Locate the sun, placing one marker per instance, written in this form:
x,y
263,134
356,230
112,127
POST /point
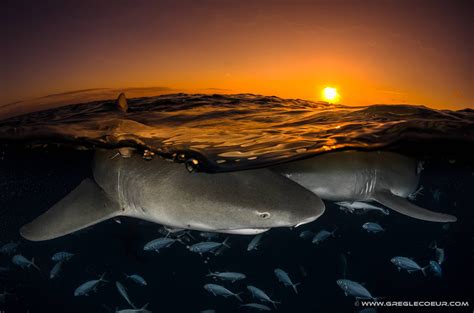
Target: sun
x,y
330,94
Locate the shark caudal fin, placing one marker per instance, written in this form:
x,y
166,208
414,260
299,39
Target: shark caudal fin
x,y
84,206
403,206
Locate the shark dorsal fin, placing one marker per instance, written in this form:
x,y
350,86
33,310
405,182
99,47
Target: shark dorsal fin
x,y
121,103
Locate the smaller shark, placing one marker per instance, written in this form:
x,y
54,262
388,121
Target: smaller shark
x,y
356,176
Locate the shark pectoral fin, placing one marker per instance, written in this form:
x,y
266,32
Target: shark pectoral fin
x,y
403,206
84,206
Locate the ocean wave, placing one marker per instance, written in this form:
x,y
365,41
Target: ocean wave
x,y
231,132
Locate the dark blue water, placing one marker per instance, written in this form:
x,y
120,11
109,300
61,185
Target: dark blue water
x,y
33,179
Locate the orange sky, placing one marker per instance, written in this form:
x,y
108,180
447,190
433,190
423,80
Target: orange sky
x,y
416,52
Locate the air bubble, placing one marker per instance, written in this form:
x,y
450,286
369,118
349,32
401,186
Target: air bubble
x,y
191,164
148,155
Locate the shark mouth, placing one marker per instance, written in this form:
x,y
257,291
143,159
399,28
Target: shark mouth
x,y
306,221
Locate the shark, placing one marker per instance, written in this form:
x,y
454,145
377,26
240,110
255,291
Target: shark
x,y
385,177
242,202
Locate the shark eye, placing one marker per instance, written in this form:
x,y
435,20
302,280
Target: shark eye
x,y
263,215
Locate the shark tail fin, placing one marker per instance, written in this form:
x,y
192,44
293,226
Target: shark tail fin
x,y
84,206
405,207
144,307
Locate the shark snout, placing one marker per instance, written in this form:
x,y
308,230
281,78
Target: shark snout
x,y
307,220
310,213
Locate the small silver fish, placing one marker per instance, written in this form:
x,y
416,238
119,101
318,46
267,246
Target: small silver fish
x,y
436,268
255,242
160,243
207,246
218,290
55,270
23,262
407,264
62,256
322,236
258,306
372,227
88,286
307,234
261,295
137,279
9,248
284,278
352,288
209,236
230,276
123,292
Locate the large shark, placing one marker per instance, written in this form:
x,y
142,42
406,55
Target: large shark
x,y
245,202
385,177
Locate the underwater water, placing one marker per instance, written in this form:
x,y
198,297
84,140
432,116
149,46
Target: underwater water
x,y
45,155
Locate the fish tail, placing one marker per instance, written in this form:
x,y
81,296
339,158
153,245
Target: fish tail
x,y
294,287
102,278
423,269
180,241
34,265
224,243
187,233
275,303
237,295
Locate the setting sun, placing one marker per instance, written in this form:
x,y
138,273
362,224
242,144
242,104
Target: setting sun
x,y
330,94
